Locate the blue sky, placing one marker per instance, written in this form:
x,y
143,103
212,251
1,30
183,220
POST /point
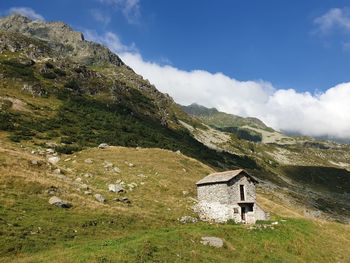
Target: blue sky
x,y
285,62
248,40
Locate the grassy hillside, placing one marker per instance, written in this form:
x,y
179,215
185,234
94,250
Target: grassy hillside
x,y
230,123
147,229
85,106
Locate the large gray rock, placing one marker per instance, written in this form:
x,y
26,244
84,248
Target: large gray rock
x,y
103,146
212,241
59,202
53,159
100,198
116,188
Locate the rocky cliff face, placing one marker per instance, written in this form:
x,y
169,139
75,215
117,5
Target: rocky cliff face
x,y
62,39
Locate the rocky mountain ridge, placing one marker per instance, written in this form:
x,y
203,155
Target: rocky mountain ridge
x,y
61,38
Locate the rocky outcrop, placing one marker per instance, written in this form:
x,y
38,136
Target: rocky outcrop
x,y
61,38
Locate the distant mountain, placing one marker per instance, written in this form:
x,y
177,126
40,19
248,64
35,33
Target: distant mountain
x,y
244,128
212,116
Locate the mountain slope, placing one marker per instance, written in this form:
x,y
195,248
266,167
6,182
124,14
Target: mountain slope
x,y
77,94
251,129
147,228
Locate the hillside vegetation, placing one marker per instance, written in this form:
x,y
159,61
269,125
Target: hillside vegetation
x,y
147,229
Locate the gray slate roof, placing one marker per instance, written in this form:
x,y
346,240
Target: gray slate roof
x,y
223,177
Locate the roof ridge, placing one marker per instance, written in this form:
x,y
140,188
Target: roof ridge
x,y
221,177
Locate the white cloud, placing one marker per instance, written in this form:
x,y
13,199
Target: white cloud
x,y
322,114
101,17
26,11
130,8
335,18
111,40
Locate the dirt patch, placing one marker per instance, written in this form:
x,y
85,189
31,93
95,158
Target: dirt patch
x,y
14,104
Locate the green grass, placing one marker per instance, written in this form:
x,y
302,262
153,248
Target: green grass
x,y
145,231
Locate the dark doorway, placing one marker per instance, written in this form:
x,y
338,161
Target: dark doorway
x,y
243,211
241,190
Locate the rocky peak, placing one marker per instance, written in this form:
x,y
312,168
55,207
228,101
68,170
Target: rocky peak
x,y
62,38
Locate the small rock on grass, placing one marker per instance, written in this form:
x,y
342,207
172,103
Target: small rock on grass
x,y
100,198
103,146
212,241
53,160
59,203
116,188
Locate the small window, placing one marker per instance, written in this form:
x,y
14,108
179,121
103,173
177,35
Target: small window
x,y
235,210
241,190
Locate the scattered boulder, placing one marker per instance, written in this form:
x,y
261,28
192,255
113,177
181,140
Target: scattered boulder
x,y
52,190
178,152
212,241
84,187
57,171
87,175
103,146
50,151
107,165
88,192
59,203
132,186
122,200
100,198
129,164
36,163
188,219
53,160
185,192
116,188
89,161
116,170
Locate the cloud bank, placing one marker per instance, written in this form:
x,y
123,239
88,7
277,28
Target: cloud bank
x,y
100,16
26,11
321,114
334,18
129,8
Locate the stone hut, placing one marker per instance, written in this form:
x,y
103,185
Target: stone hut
x,y
229,195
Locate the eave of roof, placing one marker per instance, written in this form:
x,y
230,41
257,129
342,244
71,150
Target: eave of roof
x,y
223,177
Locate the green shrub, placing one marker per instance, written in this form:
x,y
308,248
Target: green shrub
x,y
14,69
49,75
67,149
59,72
6,121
